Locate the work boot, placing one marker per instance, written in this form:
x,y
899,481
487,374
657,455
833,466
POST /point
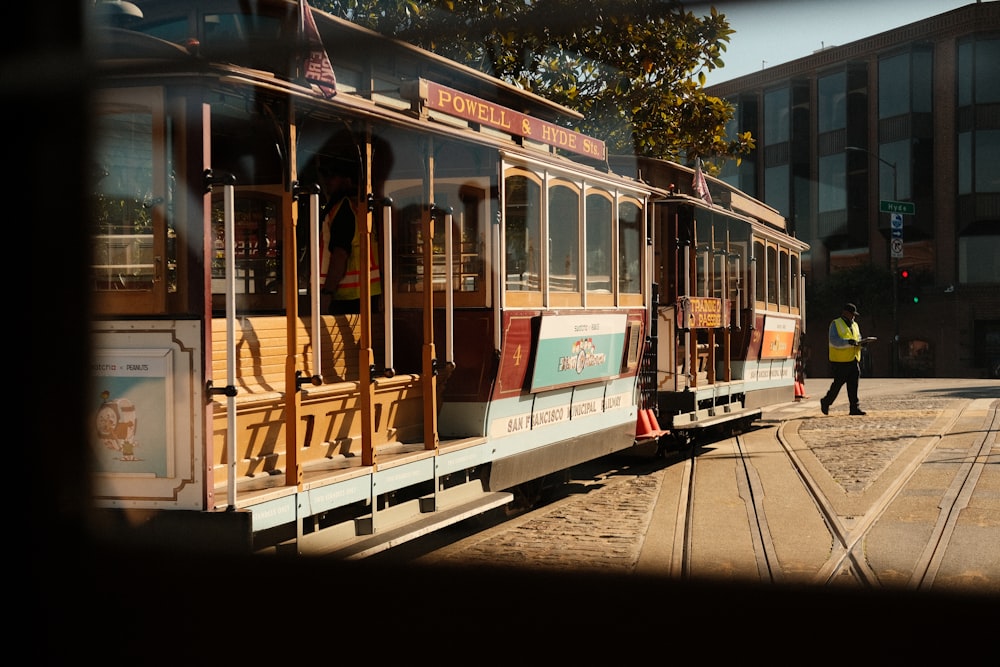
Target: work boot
x,y
824,406
858,412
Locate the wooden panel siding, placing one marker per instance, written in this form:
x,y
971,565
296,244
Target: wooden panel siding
x,y
261,349
329,420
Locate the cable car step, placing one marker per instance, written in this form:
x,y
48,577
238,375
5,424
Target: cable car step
x,y
392,537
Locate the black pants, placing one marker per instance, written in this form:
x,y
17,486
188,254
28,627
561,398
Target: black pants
x,y
844,373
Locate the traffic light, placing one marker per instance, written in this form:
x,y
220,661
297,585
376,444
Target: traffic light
x,y
907,288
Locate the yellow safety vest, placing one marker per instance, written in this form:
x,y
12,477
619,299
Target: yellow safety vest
x,y
350,284
847,352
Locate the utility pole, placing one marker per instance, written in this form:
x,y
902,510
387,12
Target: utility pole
x,y
894,347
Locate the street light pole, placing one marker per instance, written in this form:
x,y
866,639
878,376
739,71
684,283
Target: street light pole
x,y
894,360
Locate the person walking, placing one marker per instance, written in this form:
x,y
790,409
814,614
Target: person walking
x,y
845,358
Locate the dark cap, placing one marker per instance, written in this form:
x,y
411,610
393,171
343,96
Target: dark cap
x,y
851,308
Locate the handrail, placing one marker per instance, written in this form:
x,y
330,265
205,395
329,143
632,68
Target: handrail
x,y
229,227
315,308
386,270
449,287
228,183
314,286
687,249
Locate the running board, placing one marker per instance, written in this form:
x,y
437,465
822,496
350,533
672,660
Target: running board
x,y
705,418
393,537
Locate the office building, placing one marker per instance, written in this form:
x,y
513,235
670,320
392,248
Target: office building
x,y
884,155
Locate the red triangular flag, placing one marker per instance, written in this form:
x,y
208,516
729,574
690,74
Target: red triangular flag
x,y
316,65
700,185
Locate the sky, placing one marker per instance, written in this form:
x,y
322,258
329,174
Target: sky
x,y
772,32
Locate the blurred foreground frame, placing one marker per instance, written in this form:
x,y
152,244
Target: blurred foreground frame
x,y
95,601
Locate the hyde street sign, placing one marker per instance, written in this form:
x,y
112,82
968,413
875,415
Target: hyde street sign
x,y
904,207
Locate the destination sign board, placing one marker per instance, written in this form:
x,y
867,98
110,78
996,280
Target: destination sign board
x,y
474,109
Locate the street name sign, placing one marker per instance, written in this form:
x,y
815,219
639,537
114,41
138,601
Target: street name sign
x,y
904,207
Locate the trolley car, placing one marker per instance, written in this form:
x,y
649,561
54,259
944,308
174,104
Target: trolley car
x,y
729,304
508,324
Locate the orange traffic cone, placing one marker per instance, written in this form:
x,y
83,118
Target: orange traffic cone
x,y
644,428
654,424
648,426
800,391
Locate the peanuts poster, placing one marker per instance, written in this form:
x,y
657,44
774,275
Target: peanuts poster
x,y
131,413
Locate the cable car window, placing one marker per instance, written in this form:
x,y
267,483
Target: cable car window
x,y
630,244
794,280
772,275
784,278
132,266
564,239
760,271
739,239
598,241
522,235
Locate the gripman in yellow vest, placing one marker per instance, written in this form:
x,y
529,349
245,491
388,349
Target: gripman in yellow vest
x,y
845,359
340,243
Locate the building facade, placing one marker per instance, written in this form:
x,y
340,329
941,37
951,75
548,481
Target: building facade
x,y
884,156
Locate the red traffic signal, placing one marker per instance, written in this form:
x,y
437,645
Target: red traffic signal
x,y
908,292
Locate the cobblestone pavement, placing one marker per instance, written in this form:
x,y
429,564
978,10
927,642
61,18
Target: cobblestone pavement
x,y
605,527
602,529
856,450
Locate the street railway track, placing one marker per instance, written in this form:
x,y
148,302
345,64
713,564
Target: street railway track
x,y
732,498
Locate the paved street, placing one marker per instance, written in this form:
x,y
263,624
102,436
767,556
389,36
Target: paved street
x,y
627,522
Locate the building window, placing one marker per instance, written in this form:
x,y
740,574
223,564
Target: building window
x,y
894,86
923,81
776,180
987,166
894,186
978,176
978,72
977,259
965,163
831,108
978,139
978,168
730,172
833,182
777,110
905,84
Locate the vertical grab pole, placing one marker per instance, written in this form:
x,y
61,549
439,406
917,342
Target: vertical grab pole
x,y
726,331
739,292
300,190
229,232
802,300
366,366
429,361
387,284
498,262
228,183
687,249
449,289
314,286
